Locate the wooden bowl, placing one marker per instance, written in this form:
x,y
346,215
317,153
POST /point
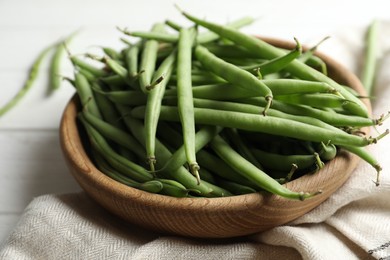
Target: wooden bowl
x,y
206,217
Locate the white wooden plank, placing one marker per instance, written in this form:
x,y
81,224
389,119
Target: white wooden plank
x,y
31,165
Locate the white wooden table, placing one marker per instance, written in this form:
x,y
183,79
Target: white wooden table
x,y
31,162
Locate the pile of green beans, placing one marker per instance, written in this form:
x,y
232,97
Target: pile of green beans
x,y
217,113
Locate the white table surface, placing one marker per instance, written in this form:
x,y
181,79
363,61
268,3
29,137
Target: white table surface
x,y
31,162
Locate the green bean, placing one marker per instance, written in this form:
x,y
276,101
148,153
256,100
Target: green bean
x,y
364,154
235,188
281,162
206,78
181,175
314,61
332,118
327,152
148,60
33,74
202,138
233,74
156,36
269,124
153,106
313,100
207,176
112,53
277,64
237,162
371,56
252,109
241,147
205,158
119,70
173,188
201,38
264,50
229,51
153,186
131,59
210,36
97,72
85,93
114,81
173,25
55,64
115,134
120,163
184,97
88,75
124,97
226,91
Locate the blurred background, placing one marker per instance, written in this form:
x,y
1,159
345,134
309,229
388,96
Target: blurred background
x,y
31,162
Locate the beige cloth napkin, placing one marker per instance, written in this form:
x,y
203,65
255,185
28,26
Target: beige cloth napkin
x,y
354,223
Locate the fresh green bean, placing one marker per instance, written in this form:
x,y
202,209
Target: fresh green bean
x,y
181,175
277,64
202,138
131,59
184,97
318,100
364,154
118,162
242,147
235,188
80,63
115,134
115,81
153,186
314,61
233,74
153,106
173,25
173,188
148,59
371,56
33,74
237,162
119,70
55,64
201,38
226,91
84,91
124,97
269,124
282,162
112,53
327,152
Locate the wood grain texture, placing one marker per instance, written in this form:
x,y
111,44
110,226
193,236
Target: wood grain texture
x,y
205,217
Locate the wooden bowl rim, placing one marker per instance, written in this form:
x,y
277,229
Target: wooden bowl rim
x,y
75,153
